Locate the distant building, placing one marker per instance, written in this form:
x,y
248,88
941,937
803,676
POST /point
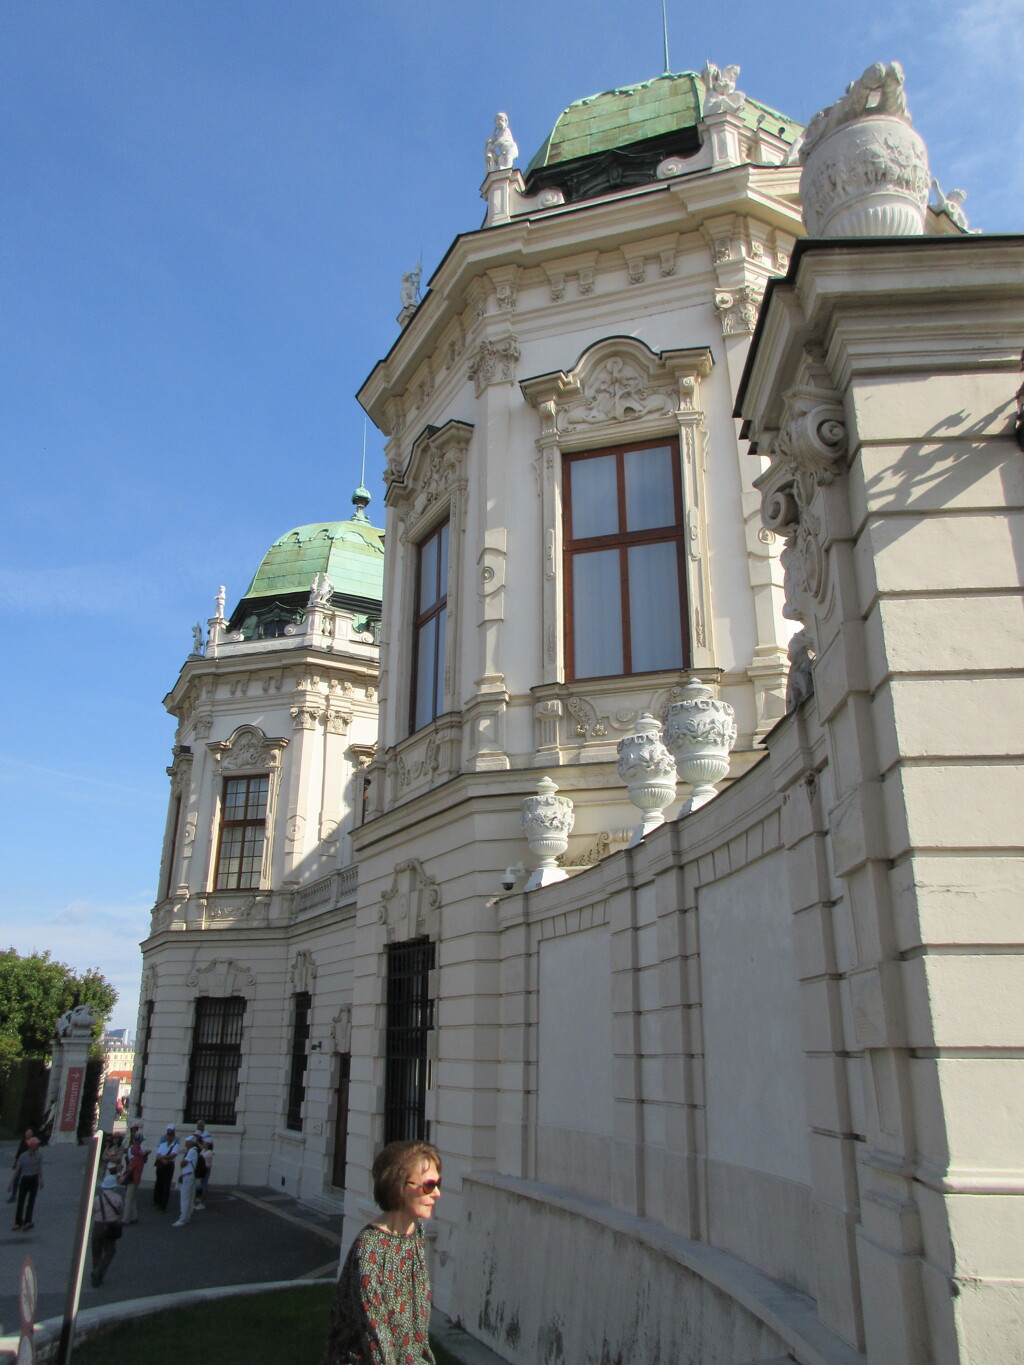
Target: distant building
x,y
244,1014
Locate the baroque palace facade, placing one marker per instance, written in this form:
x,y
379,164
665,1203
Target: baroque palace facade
x,y
707,441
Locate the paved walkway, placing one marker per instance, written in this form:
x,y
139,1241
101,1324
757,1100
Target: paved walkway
x,y
244,1236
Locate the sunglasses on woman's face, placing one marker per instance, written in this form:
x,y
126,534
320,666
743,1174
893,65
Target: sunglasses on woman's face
x,y
427,1186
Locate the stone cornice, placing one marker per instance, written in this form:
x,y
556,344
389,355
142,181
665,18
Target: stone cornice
x,y
610,225
876,304
202,673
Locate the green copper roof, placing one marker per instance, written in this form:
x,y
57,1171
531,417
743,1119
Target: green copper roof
x,y
350,553
616,118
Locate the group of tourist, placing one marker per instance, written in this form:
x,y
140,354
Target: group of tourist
x,y
116,1200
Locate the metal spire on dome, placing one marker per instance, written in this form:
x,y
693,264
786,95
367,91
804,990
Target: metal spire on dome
x,y
361,497
664,26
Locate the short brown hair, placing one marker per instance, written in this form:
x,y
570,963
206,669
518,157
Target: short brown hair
x,y
392,1167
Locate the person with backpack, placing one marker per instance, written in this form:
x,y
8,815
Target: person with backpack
x,y
204,1164
107,1215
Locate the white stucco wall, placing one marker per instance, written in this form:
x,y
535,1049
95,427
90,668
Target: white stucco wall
x,y
575,1034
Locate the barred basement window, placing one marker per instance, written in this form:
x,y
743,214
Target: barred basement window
x,y
409,1019
216,1057
242,831
302,1002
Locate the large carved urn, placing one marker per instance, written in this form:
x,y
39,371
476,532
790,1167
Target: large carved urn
x,y
547,822
649,772
700,730
868,178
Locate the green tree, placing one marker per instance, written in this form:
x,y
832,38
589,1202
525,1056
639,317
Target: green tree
x,y
34,992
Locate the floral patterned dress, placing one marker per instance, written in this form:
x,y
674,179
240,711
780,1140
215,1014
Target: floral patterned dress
x,y
381,1309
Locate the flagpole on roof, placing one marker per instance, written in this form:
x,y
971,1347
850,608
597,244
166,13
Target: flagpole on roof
x,y
664,26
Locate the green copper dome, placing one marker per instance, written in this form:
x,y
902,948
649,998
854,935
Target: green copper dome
x,y
616,118
616,140
350,553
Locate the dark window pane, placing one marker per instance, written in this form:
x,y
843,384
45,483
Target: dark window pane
x,y
597,614
654,620
216,1057
650,490
595,499
409,1017
425,672
442,622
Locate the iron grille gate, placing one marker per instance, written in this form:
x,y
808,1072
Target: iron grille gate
x,y
409,1018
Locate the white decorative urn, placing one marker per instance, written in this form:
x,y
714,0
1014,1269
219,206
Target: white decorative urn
x,y
869,178
700,730
649,772
547,821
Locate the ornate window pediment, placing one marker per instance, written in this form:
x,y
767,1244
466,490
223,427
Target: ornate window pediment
x,y
248,747
619,383
434,472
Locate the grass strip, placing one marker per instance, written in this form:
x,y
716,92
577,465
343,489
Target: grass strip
x,y
253,1329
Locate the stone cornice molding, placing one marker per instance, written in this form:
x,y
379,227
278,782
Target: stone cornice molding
x,y
618,385
590,228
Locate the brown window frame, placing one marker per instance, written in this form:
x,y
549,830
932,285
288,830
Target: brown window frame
x,y
247,822
438,608
622,541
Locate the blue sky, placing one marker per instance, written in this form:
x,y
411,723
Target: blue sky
x,y
207,211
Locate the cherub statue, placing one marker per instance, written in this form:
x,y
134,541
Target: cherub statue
x,y
500,150
411,287
951,205
721,94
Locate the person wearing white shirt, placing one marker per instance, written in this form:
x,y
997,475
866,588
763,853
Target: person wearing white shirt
x,y
187,1182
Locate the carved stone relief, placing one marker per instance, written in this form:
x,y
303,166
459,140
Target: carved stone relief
x,y
494,363
411,905
303,971
222,976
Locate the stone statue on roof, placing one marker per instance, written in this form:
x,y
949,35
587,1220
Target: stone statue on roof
x,y
500,150
411,287
951,205
197,639
321,591
720,93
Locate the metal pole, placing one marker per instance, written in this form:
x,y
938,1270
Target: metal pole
x,y
77,1268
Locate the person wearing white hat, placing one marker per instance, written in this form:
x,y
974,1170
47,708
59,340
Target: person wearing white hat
x,y
187,1182
166,1155
107,1213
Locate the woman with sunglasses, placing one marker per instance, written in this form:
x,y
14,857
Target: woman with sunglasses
x,y
381,1309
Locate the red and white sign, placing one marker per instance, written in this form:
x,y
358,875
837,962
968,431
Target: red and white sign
x,y
72,1099
28,1296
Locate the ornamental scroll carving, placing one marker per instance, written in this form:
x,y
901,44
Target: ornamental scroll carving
x,y
434,472
808,455
617,382
248,747
411,907
222,976
494,363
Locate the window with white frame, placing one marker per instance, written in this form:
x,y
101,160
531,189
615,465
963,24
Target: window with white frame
x,y
623,545
429,624
242,833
